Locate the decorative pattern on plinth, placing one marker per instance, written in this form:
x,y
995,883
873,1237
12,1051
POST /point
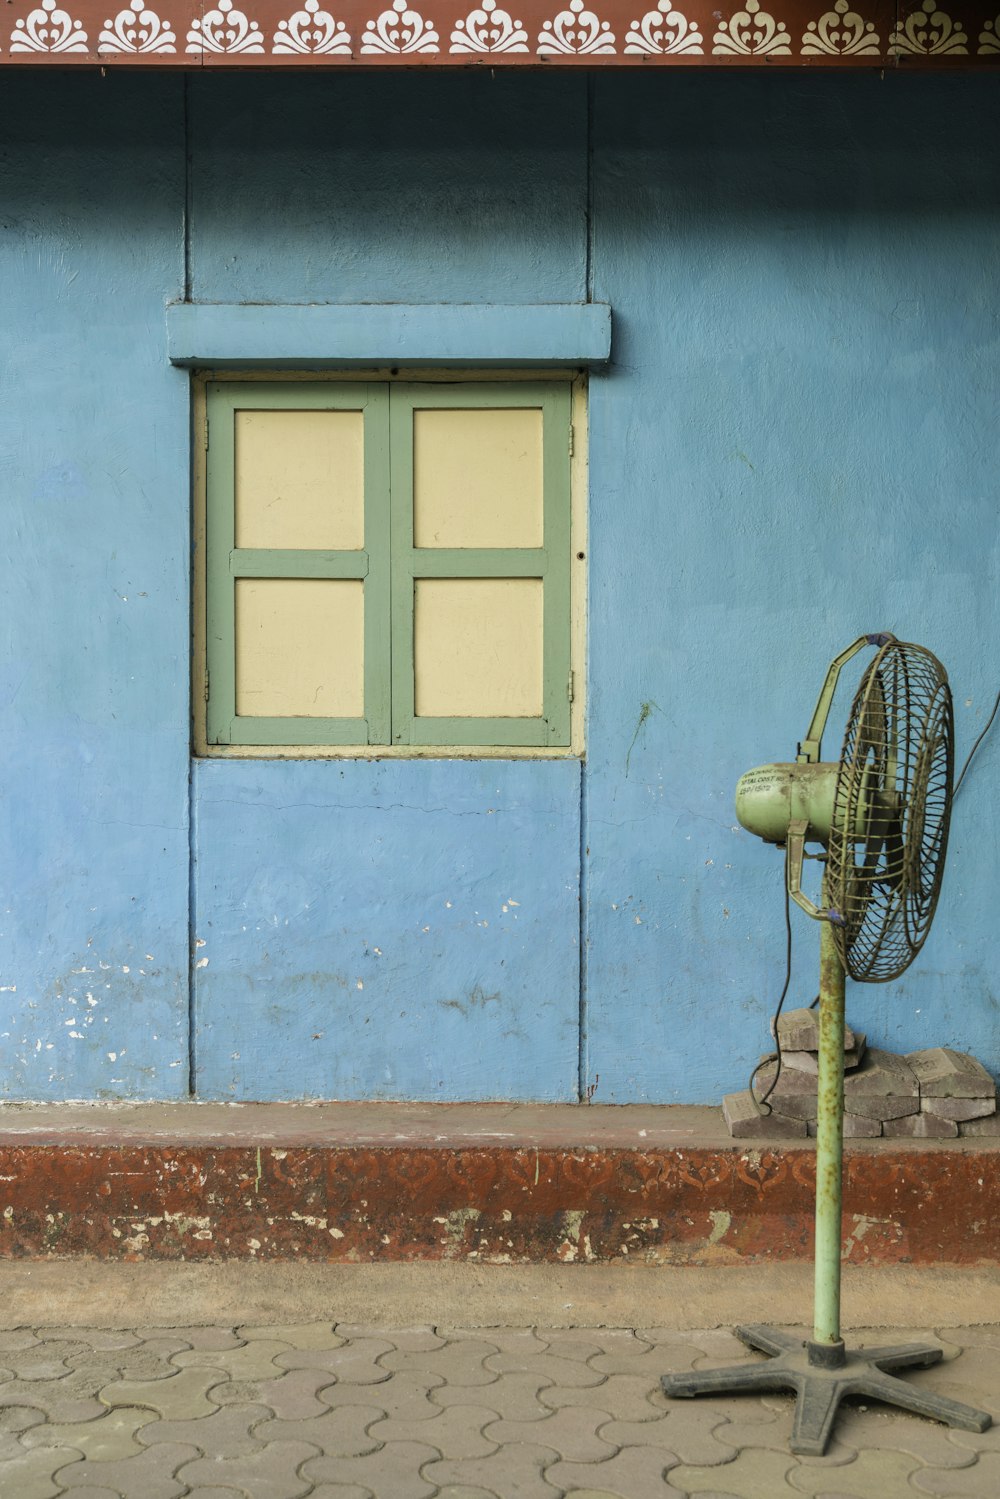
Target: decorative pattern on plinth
x,y
327,1198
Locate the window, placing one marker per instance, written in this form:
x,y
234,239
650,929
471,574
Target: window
x,y
388,564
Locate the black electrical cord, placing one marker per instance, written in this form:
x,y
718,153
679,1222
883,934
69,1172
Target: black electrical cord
x,y
982,736
775,1056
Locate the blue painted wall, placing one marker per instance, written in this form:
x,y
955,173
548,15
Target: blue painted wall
x,y
802,427
797,440
387,929
94,624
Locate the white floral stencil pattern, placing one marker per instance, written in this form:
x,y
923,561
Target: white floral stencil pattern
x,y
311,31
833,33
928,32
225,30
48,29
989,37
400,30
137,29
752,33
663,30
576,31
841,32
489,30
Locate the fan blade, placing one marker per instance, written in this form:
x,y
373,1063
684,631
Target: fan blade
x,y
894,850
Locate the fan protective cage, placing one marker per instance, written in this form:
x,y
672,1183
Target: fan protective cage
x,y
892,808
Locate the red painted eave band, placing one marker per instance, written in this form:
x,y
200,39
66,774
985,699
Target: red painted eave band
x,y
321,34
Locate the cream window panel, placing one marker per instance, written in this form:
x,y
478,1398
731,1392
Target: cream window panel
x,y
300,479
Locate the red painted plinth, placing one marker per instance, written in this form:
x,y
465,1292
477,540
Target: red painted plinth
x,y
488,1183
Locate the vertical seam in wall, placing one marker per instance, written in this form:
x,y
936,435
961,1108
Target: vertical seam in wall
x,y
187,188
192,949
583,1043
192,922
192,1079
589,211
583,1079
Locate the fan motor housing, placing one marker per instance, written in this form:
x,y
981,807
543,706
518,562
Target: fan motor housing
x,y
769,797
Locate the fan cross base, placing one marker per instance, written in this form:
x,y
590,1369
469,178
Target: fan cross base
x,y
821,1375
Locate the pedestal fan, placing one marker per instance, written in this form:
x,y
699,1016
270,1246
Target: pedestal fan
x,y
881,815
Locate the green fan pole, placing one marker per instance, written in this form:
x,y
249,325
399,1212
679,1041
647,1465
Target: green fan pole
x,y
821,1371
829,1146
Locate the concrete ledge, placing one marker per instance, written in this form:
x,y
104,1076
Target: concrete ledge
x,y
483,1184
36,1294
326,336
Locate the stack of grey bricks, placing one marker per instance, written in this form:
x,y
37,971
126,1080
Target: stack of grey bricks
x,y
937,1094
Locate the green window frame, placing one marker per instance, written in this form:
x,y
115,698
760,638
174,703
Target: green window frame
x,y
389,564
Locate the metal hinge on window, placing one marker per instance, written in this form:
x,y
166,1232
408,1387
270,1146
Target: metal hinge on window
x,y
205,685
572,439
571,686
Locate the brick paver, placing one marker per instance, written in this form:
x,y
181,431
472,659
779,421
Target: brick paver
x,y
341,1411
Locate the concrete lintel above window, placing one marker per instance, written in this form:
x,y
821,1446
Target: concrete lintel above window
x,y
230,336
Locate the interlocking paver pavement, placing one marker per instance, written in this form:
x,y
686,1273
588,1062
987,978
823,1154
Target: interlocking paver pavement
x,y
623,1397
572,1432
32,1476
342,1432
692,1436
229,1431
294,1395
270,1473
151,1475
343,1411
356,1362
982,1480
514,1396
755,1473
250,1361
107,1438
180,1397
632,1471
301,1335
872,1475
458,1432
394,1469
515,1471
